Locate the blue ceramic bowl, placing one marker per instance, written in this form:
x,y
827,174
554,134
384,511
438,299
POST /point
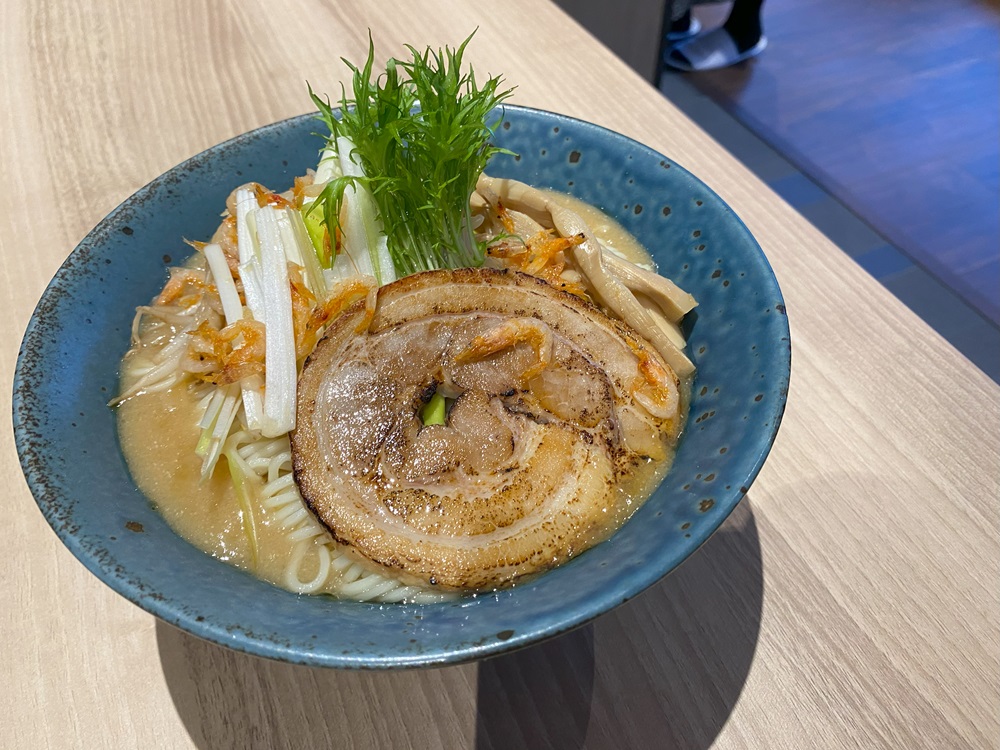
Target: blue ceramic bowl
x,y
68,369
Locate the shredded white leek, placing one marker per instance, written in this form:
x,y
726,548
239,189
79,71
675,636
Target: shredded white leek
x,y
365,243
299,249
232,308
327,169
279,359
247,486
246,205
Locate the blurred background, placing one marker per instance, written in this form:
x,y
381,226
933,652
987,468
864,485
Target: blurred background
x,y
879,122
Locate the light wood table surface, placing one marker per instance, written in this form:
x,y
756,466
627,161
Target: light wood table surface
x,y
851,601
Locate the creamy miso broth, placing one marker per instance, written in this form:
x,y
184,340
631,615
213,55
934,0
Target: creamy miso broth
x,y
157,432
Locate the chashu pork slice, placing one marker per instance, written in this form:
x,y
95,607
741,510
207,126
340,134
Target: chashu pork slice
x,y
551,406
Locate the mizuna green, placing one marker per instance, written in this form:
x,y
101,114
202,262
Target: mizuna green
x,y
421,136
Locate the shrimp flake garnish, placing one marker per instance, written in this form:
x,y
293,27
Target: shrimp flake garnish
x,y
506,336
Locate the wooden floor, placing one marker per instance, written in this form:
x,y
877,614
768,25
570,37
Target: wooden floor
x,y
893,108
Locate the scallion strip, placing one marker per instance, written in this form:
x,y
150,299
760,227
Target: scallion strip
x,y
279,358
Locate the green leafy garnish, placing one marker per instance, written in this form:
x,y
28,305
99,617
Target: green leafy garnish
x,y
421,135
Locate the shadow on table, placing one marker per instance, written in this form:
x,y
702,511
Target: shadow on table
x,y
664,670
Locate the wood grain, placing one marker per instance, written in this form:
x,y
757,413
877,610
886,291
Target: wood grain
x,y
850,601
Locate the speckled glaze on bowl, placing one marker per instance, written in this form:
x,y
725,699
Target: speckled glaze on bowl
x,y
68,369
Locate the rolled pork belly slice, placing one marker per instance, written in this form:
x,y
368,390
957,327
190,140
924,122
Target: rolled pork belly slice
x,y
552,405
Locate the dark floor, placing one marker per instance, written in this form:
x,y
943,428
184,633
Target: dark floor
x,y
879,123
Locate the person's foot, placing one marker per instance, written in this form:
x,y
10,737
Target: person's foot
x,y
683,28
716,49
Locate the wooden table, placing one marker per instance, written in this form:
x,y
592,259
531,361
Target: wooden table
x,y
850,601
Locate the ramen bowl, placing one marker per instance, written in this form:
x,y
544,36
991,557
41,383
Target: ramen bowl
x,y
67,372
